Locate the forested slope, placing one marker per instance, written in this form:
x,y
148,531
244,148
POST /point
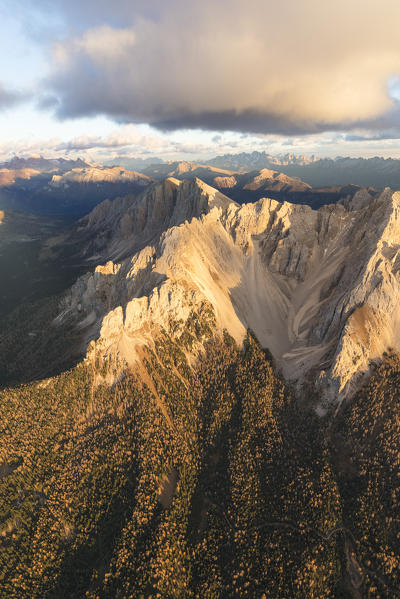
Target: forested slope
x,y
205,482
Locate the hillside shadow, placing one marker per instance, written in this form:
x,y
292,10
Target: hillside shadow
x,y
46,337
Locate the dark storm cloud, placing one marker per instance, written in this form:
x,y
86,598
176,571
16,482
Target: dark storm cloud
x,y
292,68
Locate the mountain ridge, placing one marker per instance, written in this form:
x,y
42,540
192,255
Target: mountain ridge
x,y
148,452
374,172
283,270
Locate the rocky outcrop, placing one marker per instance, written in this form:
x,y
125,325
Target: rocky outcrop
x,y
116,229
225,182
320,288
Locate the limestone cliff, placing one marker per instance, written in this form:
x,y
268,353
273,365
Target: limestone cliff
x,y
320,288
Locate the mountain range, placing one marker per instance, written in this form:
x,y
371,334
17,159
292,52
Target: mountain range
x,y
72,188
63,187
320,172
254,184
200,398
319,288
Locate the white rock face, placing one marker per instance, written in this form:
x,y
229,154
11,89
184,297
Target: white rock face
x,y
128,224
320,289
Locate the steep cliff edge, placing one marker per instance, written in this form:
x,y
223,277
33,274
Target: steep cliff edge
x,y
319,288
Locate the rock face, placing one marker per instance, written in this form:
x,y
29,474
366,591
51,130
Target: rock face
x,y
225,182
120,228
320,288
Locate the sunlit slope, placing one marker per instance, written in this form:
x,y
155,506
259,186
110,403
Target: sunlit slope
x,y
318,288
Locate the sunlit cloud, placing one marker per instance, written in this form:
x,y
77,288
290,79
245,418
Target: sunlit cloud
x,y
316,67
301,76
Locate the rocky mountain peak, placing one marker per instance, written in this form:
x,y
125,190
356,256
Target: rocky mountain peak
x,y
319,288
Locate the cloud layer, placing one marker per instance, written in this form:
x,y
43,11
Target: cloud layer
x,y
299,66
127,141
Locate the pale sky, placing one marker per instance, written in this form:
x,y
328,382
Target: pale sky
x,y
178,79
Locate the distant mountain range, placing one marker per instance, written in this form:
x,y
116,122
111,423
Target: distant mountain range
x,y
74,187
43,165
242,186
63,187
210,404
245,161
374,172
98,175
317,172
136,164
367,172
